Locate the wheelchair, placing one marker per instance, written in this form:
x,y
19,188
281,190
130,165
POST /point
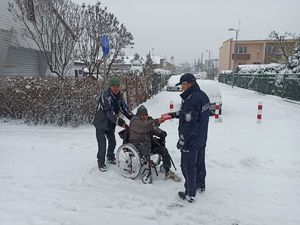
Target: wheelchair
x,y
130,162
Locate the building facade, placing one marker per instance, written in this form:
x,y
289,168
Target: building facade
x,y
241,52
18,56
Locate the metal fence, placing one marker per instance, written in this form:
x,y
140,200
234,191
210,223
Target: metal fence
x,y
283,85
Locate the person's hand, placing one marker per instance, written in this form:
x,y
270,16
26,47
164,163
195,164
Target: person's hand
x,y
160,120
166,116
125,126
172,114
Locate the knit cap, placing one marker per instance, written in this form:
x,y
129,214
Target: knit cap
x,y
142,111
115,81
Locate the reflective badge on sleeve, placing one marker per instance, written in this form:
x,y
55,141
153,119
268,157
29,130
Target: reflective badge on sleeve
x,y
188,117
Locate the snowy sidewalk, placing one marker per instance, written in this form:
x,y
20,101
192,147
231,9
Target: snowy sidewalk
x,y
48,174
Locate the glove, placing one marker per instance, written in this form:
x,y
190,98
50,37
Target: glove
x,y
121,122
163,134
180,144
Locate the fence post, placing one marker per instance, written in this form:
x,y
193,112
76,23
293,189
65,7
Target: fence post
x,y
283,85
267,85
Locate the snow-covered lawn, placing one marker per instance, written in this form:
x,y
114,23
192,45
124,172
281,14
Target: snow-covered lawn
x,y
48,174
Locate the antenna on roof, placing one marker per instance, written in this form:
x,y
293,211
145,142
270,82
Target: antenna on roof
x,y
239,24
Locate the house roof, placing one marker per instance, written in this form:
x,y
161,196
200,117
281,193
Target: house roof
x,y
130,59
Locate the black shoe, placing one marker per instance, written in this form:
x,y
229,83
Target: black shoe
x,y
190,199
102,167
112,160
182,195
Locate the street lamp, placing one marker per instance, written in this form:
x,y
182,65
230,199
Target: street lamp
x,y
235,50
209,69
236,32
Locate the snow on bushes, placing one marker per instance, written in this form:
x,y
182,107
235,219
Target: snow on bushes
x,y
292,67
294,61
65,102
51,100
276,79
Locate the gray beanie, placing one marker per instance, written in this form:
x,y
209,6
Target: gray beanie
x,y
141,111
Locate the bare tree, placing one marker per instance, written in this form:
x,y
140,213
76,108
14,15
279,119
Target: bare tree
x,y
284,44
54,26
88,47
96,23
148,69
120,39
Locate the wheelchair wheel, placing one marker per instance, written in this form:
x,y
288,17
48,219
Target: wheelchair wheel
x,y
128,161
146,179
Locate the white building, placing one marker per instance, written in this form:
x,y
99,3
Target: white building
x,y
17,55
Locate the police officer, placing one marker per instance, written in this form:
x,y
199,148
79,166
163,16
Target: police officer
x,y
193,126
111,105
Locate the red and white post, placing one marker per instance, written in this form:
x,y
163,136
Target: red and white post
x,y
171,107
217,113
259,112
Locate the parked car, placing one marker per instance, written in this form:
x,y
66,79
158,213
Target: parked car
x,y
171,83
208,86
201,75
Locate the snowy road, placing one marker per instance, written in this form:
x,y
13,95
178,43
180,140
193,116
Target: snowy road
x,y
48,174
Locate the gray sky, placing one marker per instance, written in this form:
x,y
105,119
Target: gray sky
x,y
186,28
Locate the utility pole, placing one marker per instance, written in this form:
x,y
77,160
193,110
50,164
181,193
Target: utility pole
x,y
235,48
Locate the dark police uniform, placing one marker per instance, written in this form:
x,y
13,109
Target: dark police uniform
x,y
193,126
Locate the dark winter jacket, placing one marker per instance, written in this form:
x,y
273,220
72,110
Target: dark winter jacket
x,y
141,133
193,118
109,108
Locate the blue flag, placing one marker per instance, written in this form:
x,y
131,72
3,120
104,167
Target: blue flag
x,y
104,43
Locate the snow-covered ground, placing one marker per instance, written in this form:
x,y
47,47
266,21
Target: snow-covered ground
x,y
48,174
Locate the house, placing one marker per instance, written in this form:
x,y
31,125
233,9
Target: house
x,y
123,64
78,69
241,52
19,56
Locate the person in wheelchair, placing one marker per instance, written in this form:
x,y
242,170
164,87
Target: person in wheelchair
x,y
143,129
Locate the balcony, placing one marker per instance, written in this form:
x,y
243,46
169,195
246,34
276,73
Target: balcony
x,y
241,56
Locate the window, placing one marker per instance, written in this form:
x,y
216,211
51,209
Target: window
x,y
270,50
240,49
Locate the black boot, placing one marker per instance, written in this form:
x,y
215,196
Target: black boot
x,y
102,167
182,195
112,160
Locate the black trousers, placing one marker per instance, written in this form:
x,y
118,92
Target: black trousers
x,y
200,168
161,150
188,168
101,136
